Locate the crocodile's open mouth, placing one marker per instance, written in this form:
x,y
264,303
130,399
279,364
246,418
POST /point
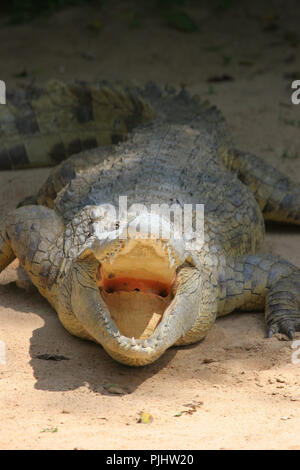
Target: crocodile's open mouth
x,y
137,286
146,299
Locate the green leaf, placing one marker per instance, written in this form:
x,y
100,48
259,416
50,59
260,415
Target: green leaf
x,y
181,21
21,74
291,156
50,430
226,59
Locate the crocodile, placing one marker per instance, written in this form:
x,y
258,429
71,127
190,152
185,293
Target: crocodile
x,y
111,281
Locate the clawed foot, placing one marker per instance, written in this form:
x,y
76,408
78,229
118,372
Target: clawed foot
x,y
283,306
286,327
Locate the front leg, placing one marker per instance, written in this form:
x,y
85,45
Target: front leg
x,y
32,234
263,282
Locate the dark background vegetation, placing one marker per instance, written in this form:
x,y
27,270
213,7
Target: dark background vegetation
x,y
22,10
173,10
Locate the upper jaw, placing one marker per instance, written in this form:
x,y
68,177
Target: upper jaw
x,y
105,244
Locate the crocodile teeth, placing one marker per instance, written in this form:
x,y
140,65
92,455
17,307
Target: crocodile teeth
x,y
116,334
172,262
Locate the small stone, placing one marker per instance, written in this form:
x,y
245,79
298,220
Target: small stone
x,y
145,418
280,380
208,361
115,389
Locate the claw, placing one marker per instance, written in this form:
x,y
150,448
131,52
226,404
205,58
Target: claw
x,y
270,333
291,333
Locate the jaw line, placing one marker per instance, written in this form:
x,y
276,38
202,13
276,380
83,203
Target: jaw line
x,y
179,317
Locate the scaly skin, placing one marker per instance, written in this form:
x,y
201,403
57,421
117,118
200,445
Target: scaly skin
x,y
184,155
43,126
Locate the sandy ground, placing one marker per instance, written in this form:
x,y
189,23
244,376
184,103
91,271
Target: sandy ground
x,y
236,389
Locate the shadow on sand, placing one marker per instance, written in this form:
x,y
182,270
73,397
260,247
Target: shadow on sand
x,y
86,364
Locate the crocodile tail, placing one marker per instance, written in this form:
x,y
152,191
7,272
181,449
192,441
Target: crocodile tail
x,y
44,126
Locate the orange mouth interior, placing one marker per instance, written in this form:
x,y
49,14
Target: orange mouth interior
x,y
135,304
130,284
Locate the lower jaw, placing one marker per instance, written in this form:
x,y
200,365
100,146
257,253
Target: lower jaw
x,y
133,360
